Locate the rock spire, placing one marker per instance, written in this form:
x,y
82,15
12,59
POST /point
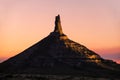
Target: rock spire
x,y
58,27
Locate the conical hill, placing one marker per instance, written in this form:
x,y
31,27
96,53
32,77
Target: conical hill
x,y
57,54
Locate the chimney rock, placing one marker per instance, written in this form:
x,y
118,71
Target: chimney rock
x,y
58,27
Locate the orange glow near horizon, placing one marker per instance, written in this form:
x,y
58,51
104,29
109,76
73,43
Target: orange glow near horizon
x,y
95,24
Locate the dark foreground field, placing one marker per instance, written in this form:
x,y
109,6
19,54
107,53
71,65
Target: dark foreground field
x,y
47,77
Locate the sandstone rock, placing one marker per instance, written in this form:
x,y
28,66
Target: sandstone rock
x,y
57,54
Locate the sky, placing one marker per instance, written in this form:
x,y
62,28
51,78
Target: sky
x,y
93,23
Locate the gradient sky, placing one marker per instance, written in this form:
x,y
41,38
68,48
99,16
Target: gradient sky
x,y
93,23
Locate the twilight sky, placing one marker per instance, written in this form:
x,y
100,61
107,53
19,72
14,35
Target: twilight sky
x,y
93,23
